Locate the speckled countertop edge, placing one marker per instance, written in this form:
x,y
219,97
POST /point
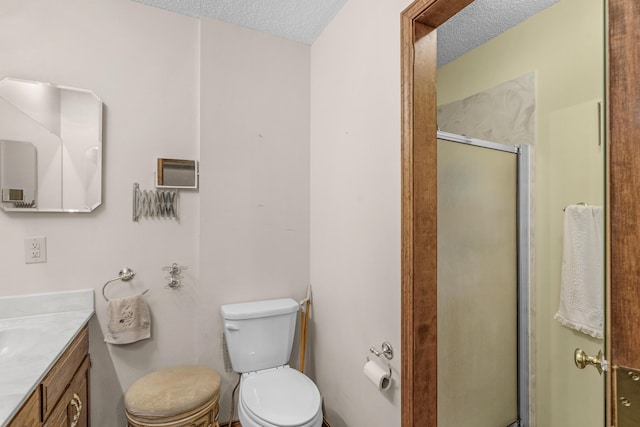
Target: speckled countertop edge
x,y
55,319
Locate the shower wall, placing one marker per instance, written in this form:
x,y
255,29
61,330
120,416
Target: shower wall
x,y
504,113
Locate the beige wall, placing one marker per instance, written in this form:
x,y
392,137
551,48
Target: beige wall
x,y
355,208
254,200
564,47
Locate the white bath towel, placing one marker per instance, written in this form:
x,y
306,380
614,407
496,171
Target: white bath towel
x,y
128,320
582,287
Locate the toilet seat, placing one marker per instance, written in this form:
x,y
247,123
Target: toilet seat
x,y
280,397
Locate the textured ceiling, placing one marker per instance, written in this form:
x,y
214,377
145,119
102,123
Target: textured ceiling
x,y
304,20
481,21
299,20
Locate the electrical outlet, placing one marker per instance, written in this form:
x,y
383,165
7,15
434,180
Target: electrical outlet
x,y
35,250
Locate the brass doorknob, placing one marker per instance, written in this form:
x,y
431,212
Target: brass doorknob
x,y
582,360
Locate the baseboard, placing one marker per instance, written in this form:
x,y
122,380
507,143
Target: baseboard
x,y
325,423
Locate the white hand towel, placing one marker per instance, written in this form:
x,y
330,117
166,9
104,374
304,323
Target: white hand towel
x,y
128,320
582,287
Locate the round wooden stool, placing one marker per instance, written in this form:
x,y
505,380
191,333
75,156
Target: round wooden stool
x,y
178,396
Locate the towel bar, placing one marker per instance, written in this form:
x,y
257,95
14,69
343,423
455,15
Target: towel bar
x,y
579,204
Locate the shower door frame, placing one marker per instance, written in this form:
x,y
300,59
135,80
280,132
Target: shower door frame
x,y
524,199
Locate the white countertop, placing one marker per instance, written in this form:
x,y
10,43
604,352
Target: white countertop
x,y
34,331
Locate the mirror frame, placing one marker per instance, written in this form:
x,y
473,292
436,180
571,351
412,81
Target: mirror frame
x,y
99,134
419,257
190,165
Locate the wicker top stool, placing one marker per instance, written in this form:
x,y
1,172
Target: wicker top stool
x,y
178,396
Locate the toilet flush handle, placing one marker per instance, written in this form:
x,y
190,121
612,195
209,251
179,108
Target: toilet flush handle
x,y
231,327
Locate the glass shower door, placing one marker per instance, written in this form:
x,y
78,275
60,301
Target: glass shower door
x,y
477,286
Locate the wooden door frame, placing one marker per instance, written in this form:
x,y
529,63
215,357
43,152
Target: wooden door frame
x,y
419,209
419,204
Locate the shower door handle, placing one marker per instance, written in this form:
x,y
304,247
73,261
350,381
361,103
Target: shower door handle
x,y
582,360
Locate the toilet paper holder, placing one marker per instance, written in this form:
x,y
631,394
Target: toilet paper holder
x,y
385,354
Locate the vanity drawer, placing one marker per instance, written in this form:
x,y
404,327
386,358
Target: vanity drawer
x,y
73,408
60,376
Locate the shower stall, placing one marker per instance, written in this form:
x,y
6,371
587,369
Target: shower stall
x,y
483,282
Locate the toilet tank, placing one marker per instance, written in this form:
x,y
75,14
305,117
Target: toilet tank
x,y
259,334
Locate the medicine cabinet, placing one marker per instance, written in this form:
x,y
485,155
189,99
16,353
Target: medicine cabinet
x,y
176,173
50,147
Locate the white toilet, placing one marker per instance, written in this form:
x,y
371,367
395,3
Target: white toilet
x,y
259,338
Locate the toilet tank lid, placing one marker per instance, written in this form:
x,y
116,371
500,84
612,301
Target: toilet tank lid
x,y
256,309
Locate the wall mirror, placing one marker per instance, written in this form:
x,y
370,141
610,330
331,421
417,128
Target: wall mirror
x,y
50,147
551,64
176,173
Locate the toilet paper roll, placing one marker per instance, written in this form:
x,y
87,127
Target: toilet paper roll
x,y
378,375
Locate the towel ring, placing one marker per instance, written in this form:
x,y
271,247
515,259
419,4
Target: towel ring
x,y
125,275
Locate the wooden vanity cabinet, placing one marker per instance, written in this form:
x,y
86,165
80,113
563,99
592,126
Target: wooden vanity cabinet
x,y
29,414
61,400
72,408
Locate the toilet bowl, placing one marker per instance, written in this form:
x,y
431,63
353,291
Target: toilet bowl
x,y
279,397
259,338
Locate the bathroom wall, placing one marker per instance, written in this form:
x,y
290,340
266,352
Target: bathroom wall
x,y
355,208
563,45
172,87
254,201
148,80
240,102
